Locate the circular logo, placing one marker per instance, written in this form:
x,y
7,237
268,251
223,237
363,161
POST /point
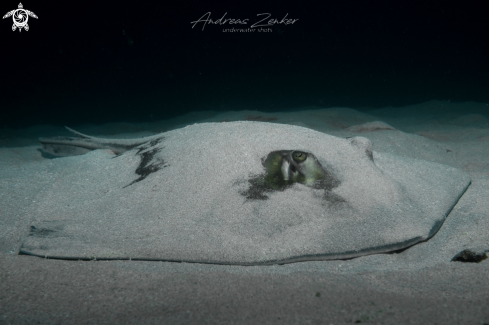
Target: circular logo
x,y
20,18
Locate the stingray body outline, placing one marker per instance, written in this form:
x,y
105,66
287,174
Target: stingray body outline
x,y
386,202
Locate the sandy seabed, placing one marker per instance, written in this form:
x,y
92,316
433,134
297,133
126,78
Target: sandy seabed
x,y
419,285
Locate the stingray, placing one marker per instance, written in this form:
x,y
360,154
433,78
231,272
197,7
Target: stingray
x,y
240,193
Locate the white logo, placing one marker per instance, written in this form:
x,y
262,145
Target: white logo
x,y
20,17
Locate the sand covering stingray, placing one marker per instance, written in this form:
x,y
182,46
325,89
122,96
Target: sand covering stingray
x,y
200,194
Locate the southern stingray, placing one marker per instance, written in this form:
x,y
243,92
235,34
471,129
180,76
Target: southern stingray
x,y
237,193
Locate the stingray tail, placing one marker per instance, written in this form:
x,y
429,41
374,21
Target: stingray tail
x,y
82,143
78,133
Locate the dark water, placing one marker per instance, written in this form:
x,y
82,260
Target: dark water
x,y
93,62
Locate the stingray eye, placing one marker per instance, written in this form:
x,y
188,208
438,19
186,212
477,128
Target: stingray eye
x,y
299,156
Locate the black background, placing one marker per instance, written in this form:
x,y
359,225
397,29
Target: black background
x,y
108,61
